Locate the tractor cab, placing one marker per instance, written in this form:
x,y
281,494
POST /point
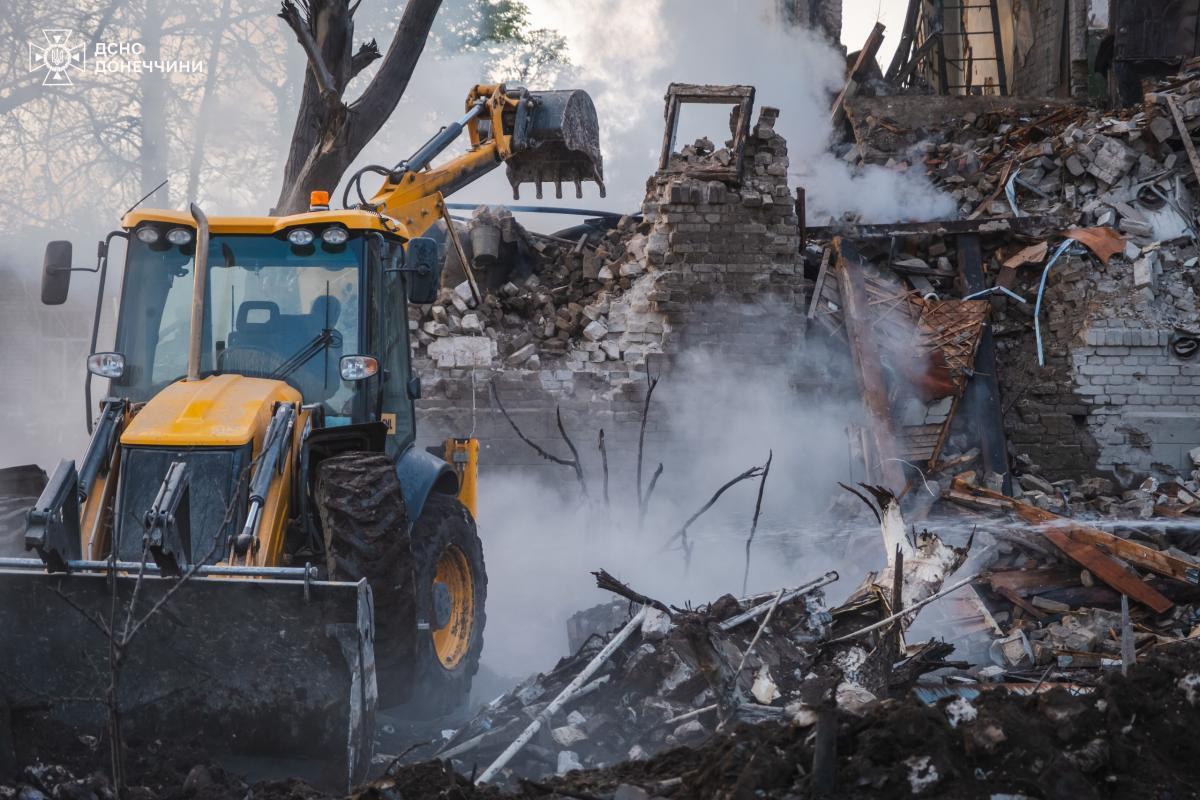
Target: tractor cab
x,y
315,300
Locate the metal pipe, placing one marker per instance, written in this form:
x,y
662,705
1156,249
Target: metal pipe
x,y
549,711
298,573
199,284
762,608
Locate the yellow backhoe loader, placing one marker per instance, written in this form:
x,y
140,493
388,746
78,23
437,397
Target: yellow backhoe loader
x,y
252,475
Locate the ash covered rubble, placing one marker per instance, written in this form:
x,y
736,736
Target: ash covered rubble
x,y
677,675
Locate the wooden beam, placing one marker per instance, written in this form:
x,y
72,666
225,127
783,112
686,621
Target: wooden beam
x,y
822,274
1083,544
868,367
1108,569
866,54
1185,135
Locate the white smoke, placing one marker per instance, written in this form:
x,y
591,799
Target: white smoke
x,y
711,418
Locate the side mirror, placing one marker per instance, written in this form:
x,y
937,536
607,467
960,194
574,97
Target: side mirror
x,y
56,273
422,269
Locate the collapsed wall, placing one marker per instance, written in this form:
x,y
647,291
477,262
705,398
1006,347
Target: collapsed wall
x,y
1118,391
710,265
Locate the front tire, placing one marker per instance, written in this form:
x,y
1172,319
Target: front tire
x,y
429,586
451,593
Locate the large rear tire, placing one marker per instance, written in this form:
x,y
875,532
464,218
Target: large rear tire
x,y
19,491
451,594
429,586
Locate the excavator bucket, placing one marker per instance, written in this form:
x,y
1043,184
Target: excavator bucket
x,y
240,666
562,144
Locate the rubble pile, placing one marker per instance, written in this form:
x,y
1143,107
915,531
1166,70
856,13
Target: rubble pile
x,y
540,295
1124,737
663,688
534,300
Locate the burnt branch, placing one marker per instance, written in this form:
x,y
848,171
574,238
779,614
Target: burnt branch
x,y
642,498
367,53
521,435
762,484
574,462
541,451
303,30
681,534
604,465
608,583
645,504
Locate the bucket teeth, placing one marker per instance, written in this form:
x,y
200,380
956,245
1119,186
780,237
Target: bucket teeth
x,y
563,144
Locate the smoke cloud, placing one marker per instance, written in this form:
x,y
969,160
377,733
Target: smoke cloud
x,y
714,419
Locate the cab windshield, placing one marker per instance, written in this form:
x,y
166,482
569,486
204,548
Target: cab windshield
x,y
272,310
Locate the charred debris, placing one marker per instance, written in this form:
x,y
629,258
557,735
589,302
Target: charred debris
x,y
1035,630
1064,599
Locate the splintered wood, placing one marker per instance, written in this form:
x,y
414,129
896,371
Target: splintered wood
x,y
927,350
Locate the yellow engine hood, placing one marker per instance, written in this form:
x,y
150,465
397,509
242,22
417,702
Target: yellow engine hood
x,y
220,410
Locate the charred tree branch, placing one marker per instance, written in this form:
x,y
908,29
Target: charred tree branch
x,y
604,465
367,53
681,534
608,583
762,484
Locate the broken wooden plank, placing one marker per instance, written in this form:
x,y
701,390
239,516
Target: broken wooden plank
x,y
865,55
1016,599
868,366
1185,135
1147,558
1108,569
1083,551
819,286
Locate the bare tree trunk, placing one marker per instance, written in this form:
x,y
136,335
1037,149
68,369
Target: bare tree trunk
x,y
200,134
330,133
153,156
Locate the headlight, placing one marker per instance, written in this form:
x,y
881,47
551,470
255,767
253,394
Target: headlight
x,y
147,234
300,236
357,368
179,236
106,365
335,235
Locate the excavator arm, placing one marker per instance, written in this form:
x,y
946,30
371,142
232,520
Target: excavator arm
x,y
540,136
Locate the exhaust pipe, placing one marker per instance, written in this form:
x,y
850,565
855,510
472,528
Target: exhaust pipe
x,y
199,287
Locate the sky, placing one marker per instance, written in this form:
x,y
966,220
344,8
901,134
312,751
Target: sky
x,y
859,16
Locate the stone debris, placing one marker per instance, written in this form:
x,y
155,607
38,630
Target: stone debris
x,y
605,297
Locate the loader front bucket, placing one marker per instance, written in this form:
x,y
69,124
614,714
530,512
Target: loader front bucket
x,y
562,144
237,666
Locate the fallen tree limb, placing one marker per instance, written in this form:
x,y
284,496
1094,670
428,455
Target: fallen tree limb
x,y
608,583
